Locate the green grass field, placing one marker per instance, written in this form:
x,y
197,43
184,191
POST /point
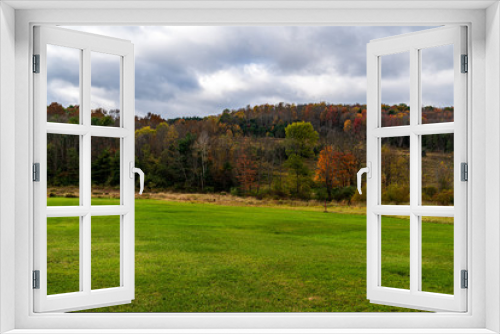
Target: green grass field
x,y
213,258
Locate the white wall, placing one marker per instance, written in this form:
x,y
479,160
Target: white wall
x,y
492,147
478,160
7,161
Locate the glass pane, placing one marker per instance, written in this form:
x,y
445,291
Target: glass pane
x,y
105,252
63,170
395,89
63,255
437,80
63,84
395,257
437,254
395,170
437,170
105,171
105,89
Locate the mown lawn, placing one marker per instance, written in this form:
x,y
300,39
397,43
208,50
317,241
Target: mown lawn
x,y
214,258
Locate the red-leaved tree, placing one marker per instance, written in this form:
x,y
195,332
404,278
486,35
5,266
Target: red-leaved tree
x,y
247,171
335,169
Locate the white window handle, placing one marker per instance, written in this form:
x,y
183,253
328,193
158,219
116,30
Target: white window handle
x,y
139,171
368,171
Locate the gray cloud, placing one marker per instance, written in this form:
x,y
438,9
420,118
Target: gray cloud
x,y
187,71
63,75
395,78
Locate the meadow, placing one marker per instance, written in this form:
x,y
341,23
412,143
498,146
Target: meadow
x,y
204,257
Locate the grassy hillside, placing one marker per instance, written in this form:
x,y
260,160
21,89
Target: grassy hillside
x,y
194,257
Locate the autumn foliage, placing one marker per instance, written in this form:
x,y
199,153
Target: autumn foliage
x,y
335,169
247,171
277,151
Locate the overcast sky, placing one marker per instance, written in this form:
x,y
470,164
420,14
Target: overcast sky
x,y
199,71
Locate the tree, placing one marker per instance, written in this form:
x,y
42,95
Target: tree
x,y
300,141
322,195
395,166
299,175
344,169
201,154
358,124
324,170
335,169
395,175
185,158
106,168
347,125
62,160
246,171
201,146
223,161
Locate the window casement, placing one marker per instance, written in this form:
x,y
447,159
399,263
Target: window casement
x,y
416,128
86,213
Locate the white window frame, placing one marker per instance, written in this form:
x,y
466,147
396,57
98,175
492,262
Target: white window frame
x,y
412,44
484,51
87,45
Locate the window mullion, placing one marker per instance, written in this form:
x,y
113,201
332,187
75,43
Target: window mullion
x,y
86,121
85,242
414,172
81,183
85,161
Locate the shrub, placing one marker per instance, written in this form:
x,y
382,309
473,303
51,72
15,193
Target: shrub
x,y
266,194
321,194
347,193
278,190
209,190
234,191
428,193
343,194
396,194
359,199
445,197
304,193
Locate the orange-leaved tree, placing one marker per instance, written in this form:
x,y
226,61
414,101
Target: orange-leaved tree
x,y
335,169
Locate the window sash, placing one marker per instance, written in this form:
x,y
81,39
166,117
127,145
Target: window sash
x,y
414,297
85,298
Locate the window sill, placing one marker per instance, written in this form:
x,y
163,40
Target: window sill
x,y
252,331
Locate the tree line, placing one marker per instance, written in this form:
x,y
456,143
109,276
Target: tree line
x,y
278,151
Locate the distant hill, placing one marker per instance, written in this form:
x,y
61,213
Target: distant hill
x,y
206,154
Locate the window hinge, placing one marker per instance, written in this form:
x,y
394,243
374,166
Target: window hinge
x,y
464,172
465,64
36,279
36,172
36,63
465,279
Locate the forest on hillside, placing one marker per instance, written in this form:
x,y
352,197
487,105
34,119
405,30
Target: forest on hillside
x,y
267,151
